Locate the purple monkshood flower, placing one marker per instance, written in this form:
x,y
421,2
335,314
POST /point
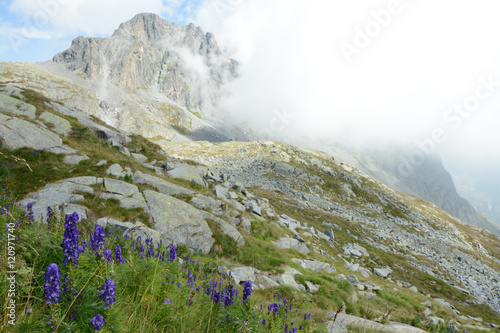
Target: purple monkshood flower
x,y
71,250
247,290
52,286
98,322
97,238
173,253
108,292
118,255
50,215
151,251
216,296
190,279
29,208
84,245
107,255
274,308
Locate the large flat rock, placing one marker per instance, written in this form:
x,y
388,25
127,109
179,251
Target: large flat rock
x,y
291,243
16,106
120,187
342,321
160,184
189,172
60,125
17,133
56,194
178,222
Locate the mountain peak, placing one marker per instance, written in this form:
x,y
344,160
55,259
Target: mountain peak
x,y
147,52
144,25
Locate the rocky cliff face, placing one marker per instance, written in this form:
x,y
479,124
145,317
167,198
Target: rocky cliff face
x,y
147,52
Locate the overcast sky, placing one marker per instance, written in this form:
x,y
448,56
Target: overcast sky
x,y
417,71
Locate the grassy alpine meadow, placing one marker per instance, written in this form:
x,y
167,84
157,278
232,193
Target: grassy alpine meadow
x,y
75,276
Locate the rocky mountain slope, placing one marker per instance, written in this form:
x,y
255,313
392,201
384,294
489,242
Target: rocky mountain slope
x,y
162,81
295,217
429,180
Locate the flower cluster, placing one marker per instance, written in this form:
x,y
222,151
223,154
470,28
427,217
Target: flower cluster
x,y
97,238
173,253
274,308
108,292
52,286
29,208
118,255
98,322
247,290
71,249
107,255
50,215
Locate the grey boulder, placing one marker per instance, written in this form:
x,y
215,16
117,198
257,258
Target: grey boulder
x,y
178,222
161,185
17,133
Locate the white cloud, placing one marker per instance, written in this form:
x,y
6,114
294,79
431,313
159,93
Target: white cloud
x,y
88,17
397,88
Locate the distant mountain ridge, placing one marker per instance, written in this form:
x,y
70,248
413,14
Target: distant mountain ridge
x,y
429,181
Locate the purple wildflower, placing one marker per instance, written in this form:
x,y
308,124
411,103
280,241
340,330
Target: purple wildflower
x,y
274,308
84,245
190,279
151,252
29,208
108,292
107,255
70,246
52,286
50,215
98,322
166,301
97,238
118,255
216,296
247,290
173,253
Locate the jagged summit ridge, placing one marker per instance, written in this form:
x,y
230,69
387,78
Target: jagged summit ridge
x,y
147,52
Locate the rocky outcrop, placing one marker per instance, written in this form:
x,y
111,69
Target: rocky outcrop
x,y
178,222
291,243
160,184
148,52
17,133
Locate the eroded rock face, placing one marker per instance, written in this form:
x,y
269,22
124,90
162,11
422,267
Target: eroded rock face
x,y
146,52
178,222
